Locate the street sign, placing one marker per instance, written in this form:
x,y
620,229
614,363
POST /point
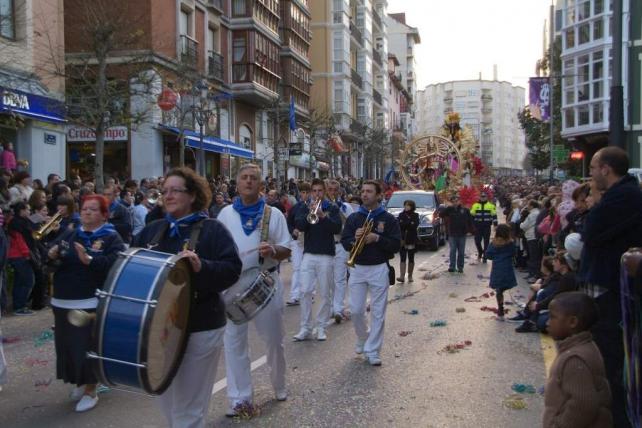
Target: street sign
x,y
284,153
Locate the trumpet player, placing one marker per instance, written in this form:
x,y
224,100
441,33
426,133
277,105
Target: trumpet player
x,y
320,222
371,270
340,256
296,245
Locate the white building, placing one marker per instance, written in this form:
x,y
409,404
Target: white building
x,y
490,107
402,39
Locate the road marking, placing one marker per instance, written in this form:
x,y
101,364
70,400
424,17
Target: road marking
x,y
222,384
548,351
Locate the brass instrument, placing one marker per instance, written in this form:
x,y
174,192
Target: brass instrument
x,y
80,318
357,248
313,217
153,196
48,227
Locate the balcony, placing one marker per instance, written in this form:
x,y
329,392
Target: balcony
x,y
356,33
188,50
377,57
216,4
356,79
376,18
215,66
377,97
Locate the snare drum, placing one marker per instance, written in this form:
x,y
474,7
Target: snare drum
x,y
141,327
251,293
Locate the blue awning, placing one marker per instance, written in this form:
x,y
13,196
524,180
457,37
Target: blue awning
x,y
14,101
210,143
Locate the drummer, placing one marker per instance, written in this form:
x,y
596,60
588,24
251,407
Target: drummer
x,y
84,256
185,197
245,220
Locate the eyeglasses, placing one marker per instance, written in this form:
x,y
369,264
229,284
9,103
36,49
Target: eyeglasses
x,y
166,192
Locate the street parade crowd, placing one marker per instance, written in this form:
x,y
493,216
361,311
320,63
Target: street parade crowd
x,y
59,240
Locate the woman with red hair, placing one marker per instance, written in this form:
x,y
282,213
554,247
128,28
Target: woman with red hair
x,y
83,257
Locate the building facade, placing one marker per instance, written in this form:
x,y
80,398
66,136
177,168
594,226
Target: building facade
x,y
489,107
350,82
402,40
31,88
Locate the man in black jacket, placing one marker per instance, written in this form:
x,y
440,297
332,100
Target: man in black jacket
x,y
460,223
119,216
612,226
318,259
371,271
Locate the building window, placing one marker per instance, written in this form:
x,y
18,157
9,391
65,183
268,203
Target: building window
x,y
239,7
184,23
240,60
7,19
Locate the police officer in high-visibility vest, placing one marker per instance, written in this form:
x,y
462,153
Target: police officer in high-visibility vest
x,y
484,216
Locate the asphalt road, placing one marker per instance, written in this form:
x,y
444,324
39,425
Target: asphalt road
x,y
418,384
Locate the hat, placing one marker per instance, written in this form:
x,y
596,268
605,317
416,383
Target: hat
x,y
573,244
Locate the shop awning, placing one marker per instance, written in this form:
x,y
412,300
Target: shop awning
x,y
13,101
210,143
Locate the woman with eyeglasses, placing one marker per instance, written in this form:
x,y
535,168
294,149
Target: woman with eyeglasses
x,y
215,267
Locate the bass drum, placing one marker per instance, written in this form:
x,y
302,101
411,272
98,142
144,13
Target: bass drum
x,y
141,327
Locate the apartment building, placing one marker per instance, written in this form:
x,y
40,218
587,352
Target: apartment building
x,y
31,87
587,39
350,78
490,107
402,40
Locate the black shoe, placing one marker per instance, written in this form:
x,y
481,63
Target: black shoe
x,y
451,270
520,317
527,327
484,260
460,270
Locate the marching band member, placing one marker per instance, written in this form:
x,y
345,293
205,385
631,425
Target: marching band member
x,y
318,259
245,219
297,245
340,255
216,266
84,256
370,272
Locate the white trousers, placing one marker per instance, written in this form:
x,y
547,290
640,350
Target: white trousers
x,y
340,278
373,279
3,362
295,283
316,268
186,402
269,324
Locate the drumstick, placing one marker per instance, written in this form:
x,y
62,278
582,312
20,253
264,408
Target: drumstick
x,y
248,252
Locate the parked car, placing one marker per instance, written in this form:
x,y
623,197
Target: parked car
x,y
637,173
431,230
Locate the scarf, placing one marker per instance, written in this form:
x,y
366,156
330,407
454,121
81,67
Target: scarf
x,y
89,237
250,215
174,224
374,213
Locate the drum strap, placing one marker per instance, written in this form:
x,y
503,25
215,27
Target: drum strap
x,y
265,226
193,236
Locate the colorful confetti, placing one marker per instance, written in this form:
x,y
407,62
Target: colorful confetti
x,y
523,388
460,310
438,323
10,340
404,333
515,402
411,312
44,337
455,347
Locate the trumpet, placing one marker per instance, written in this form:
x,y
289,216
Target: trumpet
x,y
153,196
48,227
313,217
357,248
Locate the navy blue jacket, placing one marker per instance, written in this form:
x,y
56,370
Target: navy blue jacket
x,y
385,225
74,280
121,219
460,221
220,267
319,238
291,220
610,228
502,273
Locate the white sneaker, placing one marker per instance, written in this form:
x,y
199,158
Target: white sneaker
x,y
321,336
281,395
77,392
87,402
301,336
358,348
374,360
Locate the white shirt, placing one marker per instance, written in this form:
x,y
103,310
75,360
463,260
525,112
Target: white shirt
x,y
344,212
139,213
248,244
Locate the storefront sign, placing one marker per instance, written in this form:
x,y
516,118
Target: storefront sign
x,y
115,133
302,161
30,105
51,139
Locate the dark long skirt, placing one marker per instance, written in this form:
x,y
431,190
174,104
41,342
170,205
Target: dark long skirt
x,y
72,345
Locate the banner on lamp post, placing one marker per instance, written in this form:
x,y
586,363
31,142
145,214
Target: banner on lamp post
x,y
539,96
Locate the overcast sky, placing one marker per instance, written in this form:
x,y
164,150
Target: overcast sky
x,y
460,38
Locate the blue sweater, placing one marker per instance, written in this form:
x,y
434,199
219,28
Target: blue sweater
x,y
220,267
319,238
386,226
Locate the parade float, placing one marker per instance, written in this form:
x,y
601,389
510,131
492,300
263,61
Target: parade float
x,y
446,163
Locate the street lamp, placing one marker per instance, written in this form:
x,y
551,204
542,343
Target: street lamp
x,y
203,111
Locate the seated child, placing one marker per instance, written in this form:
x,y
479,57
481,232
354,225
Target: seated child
x,y
577,393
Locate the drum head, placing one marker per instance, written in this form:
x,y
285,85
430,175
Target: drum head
x,y
168,330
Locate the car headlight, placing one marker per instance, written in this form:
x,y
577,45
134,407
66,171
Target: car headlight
x,y
424,220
